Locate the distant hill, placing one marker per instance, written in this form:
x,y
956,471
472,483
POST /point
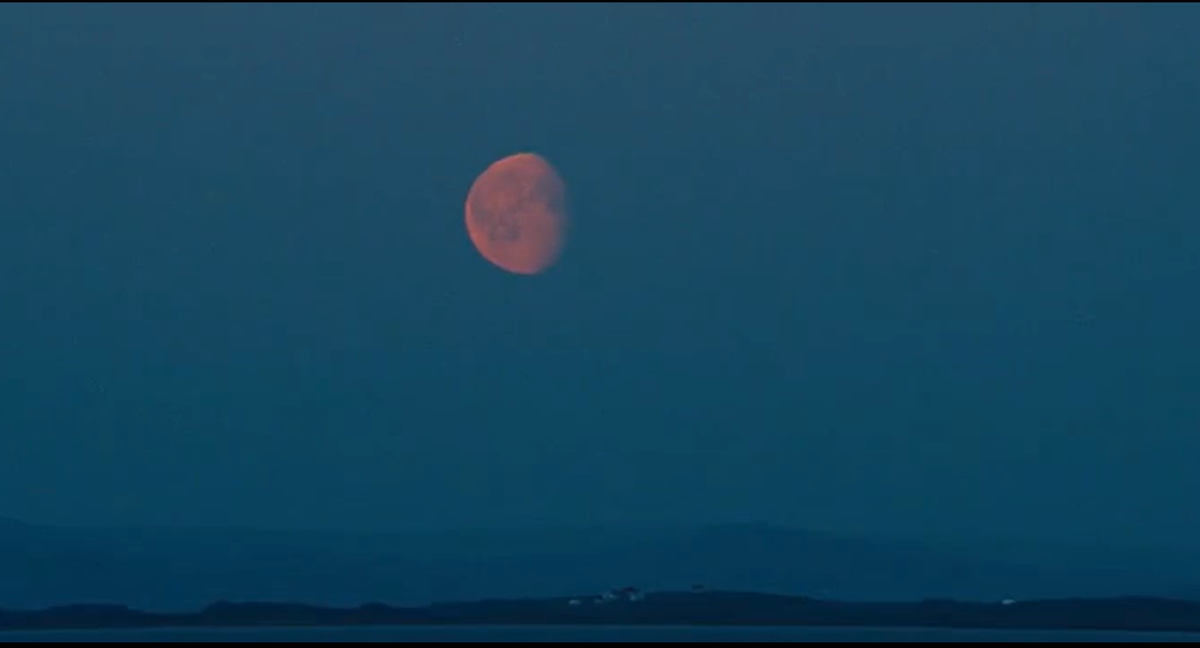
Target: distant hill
x,y
634,608
173,569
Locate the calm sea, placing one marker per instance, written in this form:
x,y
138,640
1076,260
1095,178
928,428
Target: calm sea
x,y
592,634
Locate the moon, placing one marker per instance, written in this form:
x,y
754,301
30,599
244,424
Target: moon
x,y
516,214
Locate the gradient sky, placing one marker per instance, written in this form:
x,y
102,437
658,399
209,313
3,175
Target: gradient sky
x,y
921,270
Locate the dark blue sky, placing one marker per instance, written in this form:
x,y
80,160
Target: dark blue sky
x,y
921,270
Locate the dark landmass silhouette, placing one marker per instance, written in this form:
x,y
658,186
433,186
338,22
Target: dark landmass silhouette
x,y
655,609
181,570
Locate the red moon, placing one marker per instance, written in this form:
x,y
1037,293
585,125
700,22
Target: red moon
x,y
516,214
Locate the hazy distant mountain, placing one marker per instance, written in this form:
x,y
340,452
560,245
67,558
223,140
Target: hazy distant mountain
x,y
170,569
